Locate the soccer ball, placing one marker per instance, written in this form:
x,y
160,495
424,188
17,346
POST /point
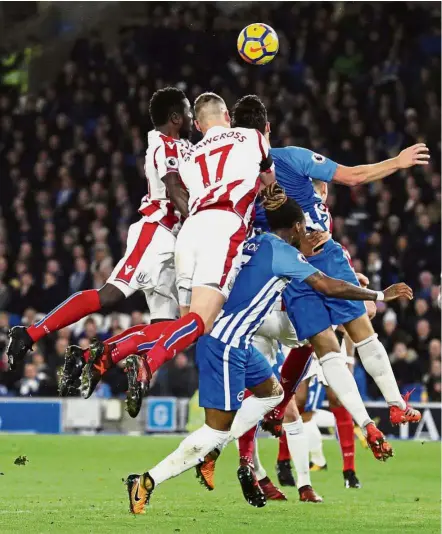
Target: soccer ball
x,y
258,44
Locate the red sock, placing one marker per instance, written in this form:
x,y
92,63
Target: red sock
x,y
283,451
68,312
128,331
292,371
345,429
246,445
136,340
179,335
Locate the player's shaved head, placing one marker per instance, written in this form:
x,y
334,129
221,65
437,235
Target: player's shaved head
x,y
211,110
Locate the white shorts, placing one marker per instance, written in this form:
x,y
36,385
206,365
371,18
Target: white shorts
x,y
148,266
208,252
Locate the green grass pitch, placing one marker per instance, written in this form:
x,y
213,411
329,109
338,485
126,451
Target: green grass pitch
x,y
72,484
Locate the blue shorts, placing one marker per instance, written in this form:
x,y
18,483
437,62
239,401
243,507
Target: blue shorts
x,y
315,395
225,372
276,367
312,312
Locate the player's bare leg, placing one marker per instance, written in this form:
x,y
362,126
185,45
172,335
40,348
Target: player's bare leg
x,y
343,383
375,360
298,446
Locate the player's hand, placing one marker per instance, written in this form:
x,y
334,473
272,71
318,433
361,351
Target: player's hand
x,y
312,243
398,291
362,279
414,155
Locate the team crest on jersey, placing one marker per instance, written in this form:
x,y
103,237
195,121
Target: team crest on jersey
x,y
301,257
172,163
317,158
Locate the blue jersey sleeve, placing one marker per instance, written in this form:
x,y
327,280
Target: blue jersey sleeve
x,y
314,165
289,262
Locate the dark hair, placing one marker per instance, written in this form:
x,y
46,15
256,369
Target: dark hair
x,y
250,112
163,103
281,211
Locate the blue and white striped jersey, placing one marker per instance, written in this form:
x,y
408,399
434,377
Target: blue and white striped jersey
x,y
295,168
272,265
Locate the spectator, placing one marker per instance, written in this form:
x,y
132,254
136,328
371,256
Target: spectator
x,y
180,378
405,364
30,385
72,157
433,382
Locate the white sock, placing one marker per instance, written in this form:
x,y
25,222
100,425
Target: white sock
x,y
342,382
314,438
298,446
375,360
252,410
190,452
259,469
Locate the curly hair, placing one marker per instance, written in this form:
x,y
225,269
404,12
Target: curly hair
x,y
281,211
164,102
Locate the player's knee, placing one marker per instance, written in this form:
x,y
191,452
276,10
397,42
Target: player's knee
x,y
371,309
333,400
291,413
307,416
110,295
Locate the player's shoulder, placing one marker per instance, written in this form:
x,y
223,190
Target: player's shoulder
x,y
156,139
290,152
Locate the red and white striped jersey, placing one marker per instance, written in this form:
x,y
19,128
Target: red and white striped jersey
x,y
163,155
222,170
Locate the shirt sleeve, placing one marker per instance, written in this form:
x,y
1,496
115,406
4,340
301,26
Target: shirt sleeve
x,y
267,160
166,156
315,165
290,263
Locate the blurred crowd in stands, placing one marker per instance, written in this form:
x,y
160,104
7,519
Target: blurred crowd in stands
x,y
356,83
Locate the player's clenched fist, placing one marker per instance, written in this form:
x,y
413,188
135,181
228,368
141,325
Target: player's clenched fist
x,y
414,155
398,291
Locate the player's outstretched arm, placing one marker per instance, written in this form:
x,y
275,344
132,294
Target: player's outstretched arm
x,y
177,194
343,290
363,174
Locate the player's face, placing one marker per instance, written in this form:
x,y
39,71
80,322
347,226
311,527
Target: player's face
x,y
298,233
187,120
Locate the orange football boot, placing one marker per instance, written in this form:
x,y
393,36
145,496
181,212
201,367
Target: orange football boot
x,y
379,446
139,488
205,471
399,416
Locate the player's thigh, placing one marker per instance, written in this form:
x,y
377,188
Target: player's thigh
x,y
219,245
207,302
185,261
260,378
222,373
162,298
150,249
